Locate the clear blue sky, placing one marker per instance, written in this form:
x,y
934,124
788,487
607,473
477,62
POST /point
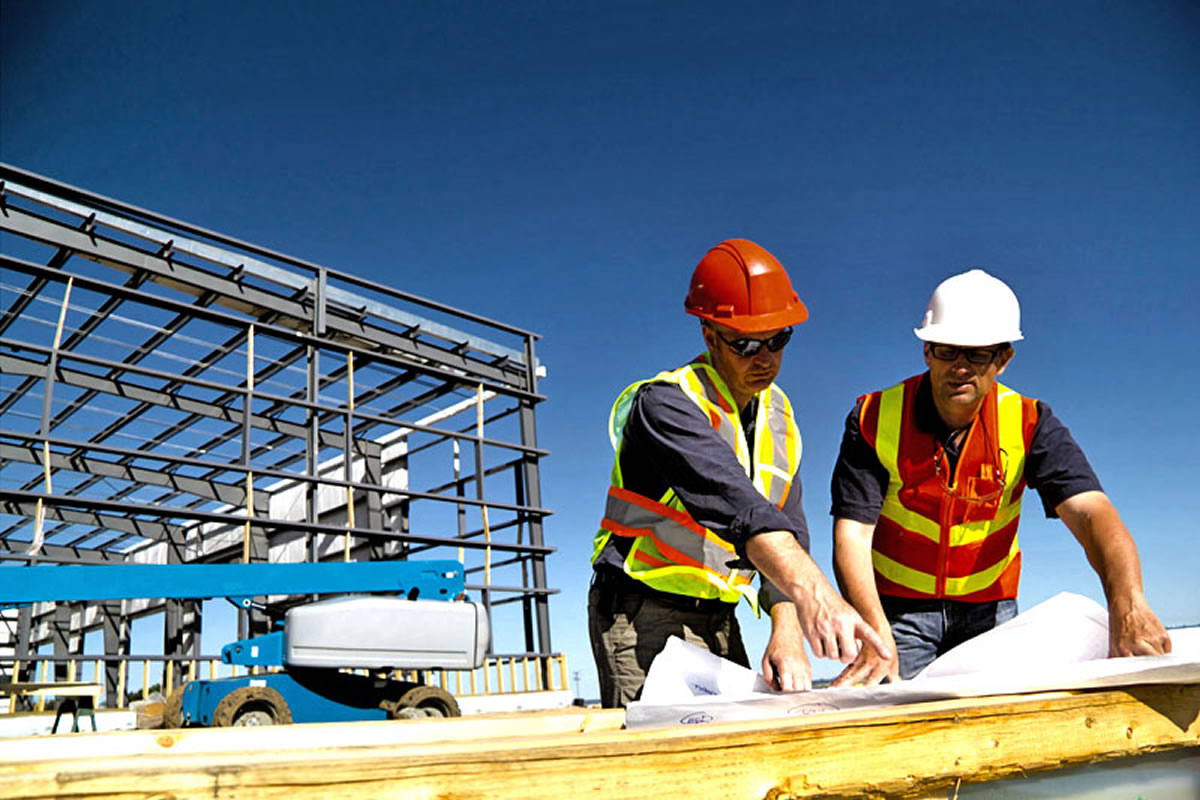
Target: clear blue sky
x,y
562,167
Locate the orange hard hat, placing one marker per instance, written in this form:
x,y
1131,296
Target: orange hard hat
x,y
742,286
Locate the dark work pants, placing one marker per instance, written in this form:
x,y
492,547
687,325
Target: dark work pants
x,y
629,630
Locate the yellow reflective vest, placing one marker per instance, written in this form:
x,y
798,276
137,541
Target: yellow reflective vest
x,y
669,550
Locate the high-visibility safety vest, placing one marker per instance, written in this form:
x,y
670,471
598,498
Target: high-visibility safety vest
x,y
669,551
943,536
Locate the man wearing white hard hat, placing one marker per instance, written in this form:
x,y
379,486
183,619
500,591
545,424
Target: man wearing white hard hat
x,y
927,494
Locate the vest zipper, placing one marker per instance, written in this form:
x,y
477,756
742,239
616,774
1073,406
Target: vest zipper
x,y
944,535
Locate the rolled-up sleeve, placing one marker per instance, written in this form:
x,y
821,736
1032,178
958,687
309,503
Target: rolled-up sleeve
x,y
1055,465
859,481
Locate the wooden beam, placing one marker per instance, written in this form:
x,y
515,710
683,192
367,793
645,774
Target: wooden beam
x,y
906,750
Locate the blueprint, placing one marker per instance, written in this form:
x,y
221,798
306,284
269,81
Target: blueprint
x,y
1061,643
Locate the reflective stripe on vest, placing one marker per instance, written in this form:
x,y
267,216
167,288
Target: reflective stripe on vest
x,y
938,540
670,551
679,538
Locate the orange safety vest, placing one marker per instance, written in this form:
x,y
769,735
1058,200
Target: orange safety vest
x,y
943,536
670,551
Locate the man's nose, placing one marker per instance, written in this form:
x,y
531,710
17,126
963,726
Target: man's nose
x,y
960,362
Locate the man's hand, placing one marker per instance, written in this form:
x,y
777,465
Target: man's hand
x,y
833,628
1134,630
870,668
785,664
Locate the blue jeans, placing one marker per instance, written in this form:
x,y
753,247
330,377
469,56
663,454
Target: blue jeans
x,y
924,629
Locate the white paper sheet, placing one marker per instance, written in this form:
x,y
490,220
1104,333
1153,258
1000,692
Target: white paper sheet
x,y
1058,644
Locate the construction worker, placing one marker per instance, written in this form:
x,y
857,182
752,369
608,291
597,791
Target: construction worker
x,y
927,494
705,488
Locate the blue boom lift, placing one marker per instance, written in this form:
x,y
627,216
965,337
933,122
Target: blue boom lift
x,y
424,623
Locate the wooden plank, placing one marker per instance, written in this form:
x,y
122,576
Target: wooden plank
x,y
53,688
909,750
492,727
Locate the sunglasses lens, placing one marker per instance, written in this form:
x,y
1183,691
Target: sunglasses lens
x,y
979,356
746,347
946,352
779,340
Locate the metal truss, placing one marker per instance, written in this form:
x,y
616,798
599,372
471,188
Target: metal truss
x,y
172,395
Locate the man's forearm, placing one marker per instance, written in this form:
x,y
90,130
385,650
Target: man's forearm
x,y
854,571
1106,541
778,556
1133,628
784,620
832,627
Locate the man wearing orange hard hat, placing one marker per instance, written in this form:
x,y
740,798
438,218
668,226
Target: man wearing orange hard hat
x,y
927,495
706,491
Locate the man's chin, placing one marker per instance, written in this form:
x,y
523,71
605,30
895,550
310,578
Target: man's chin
x,y
759,384
962,398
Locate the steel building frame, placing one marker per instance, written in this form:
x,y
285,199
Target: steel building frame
x,y
172,395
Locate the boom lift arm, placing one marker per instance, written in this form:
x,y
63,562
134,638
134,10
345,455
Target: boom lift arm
x,y
418,630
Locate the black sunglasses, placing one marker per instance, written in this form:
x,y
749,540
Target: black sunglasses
x,y
748,347
974,355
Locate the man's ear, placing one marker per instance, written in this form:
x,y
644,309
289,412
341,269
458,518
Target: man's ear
x,y
1003,358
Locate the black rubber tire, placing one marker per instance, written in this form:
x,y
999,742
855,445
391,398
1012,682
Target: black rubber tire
x,y
173,708
421,702
252,705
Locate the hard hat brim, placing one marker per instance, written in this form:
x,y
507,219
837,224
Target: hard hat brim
x,y
950,334
757,323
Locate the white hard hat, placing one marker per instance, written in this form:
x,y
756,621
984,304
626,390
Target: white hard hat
x,y
972,309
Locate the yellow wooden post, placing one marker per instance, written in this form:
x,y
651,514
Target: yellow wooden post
x,y
456,471
249,475
249,514
487,530
122,669
41,704
349,461
12,702
40,512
